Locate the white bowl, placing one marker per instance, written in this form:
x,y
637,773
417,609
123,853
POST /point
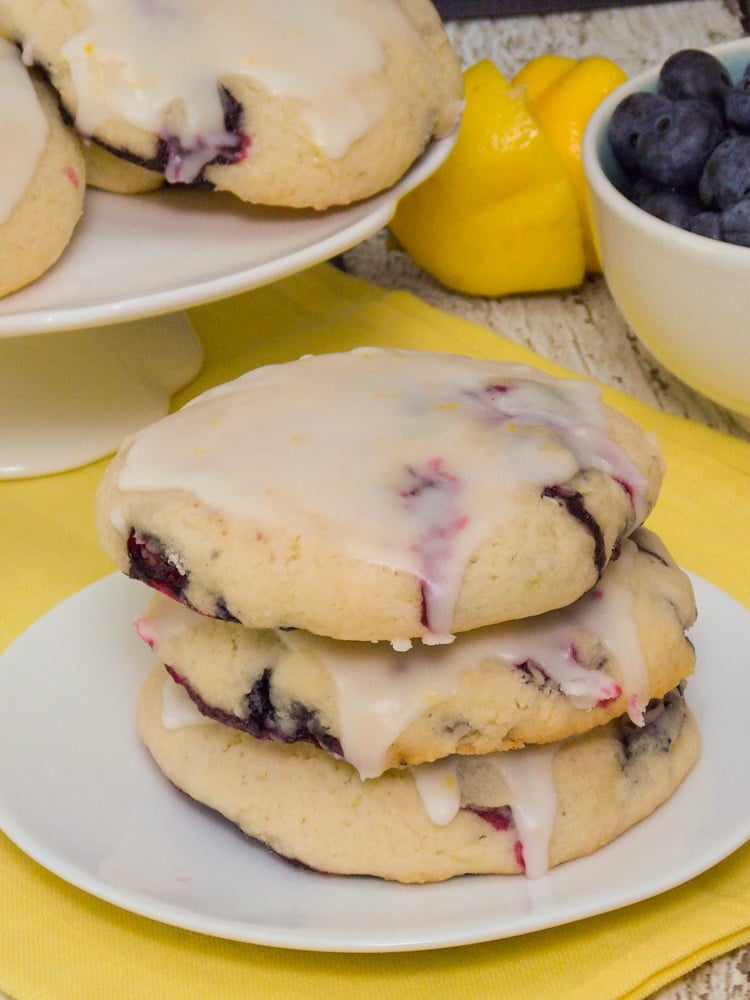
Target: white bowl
x,y
686,297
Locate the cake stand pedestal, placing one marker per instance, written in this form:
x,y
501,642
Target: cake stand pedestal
x,y
68,398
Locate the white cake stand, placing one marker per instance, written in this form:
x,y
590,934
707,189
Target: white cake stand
x,y
96,348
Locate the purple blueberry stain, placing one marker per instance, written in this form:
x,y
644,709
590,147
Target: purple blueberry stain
x,y
574,503
185,163
222,612
500,818
431,495
663,720
627,487
637,539
533,673
150,563
263,721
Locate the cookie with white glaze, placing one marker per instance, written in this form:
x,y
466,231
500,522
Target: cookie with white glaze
x,y
307,806
42,176
380,495
497,688
318,104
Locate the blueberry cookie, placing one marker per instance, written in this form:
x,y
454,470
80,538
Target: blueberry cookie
x,y
497,688
380,495
42,176
108,172
521,810
306,105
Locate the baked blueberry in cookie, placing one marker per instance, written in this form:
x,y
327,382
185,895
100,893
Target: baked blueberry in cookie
x,y
150,562
573,501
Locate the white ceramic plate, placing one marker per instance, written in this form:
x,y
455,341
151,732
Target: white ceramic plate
x,y
136,256
80,795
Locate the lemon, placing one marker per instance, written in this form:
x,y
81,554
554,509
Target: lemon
x,y
501,214
562,98
540,73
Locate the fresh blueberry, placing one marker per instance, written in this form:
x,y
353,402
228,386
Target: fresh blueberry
x,y
674,146
627,122
705,223
693,73
726,177
737,105
686,149
641,189
671,206
735,223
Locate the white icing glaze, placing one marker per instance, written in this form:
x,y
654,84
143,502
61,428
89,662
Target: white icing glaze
x,y
138,59
410,461
529,776
23,129
381,691
532,796
438,788
163,620
178,709
609,612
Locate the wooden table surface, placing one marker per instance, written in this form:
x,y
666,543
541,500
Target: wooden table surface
x,y
583,330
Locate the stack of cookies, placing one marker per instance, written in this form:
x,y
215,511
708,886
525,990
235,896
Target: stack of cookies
x,y
408,621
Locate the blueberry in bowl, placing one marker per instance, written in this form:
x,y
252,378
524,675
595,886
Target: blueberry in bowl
x,y
689,142
667,163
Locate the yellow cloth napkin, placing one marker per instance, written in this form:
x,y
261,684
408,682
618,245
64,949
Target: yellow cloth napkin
x,y
57,942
